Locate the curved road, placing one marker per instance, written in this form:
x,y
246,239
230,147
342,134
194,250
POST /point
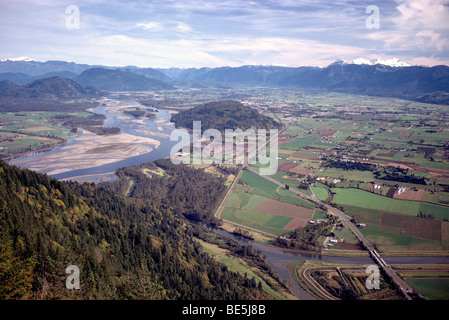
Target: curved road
x,y
402,285
405,288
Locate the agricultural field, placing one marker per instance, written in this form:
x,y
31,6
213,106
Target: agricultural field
x,y
400,152
432,288
259,204
431,280
23,132
321,193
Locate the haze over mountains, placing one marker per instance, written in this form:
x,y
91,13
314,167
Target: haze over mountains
x,y
392,78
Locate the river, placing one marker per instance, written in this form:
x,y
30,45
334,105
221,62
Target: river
x,y
157,129
278,259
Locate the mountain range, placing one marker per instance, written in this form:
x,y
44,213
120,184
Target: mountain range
x,y
47,88
390,78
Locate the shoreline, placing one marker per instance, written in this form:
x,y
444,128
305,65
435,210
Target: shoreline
x,y
32,152
91,150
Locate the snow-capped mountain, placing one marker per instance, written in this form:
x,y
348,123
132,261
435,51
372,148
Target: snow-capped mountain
x,y
27,59
394,62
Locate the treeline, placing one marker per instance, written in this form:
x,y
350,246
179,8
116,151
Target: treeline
x,y
306,238
426,215
10,104
139,113
350,165
124,248
311,232
380,172
93,123
192,192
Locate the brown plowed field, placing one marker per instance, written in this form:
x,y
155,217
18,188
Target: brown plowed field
x,y
410,195
428,229
286,166
296,223
326,132
281,142
275,207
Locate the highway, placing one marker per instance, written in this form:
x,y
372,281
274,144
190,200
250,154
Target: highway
x,y
402,285
405,288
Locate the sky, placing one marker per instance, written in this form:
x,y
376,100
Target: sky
x,y
211,33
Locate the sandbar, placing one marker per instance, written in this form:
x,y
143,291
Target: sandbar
x,y
90,150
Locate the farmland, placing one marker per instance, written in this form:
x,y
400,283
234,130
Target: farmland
x,y
400,142
23,132
401,166
258,204
390,172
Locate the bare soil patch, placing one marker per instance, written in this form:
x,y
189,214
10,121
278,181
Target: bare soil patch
x,y
295,224
326,132
281,141
428,229
410,195
286,166
272,206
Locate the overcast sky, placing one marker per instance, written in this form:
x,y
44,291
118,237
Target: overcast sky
x,y
198,33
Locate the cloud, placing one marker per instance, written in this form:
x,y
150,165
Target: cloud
x,y
420,25
149,25
228,32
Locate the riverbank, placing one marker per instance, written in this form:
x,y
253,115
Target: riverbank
x,y
90,150
35,151
82,156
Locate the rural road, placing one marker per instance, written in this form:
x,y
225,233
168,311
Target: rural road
x,y
405,288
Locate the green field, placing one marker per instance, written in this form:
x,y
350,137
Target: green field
x,y
355,175
434,289
29,131
321,193
265,188
240,205
299,143
365,199
260,185
390,237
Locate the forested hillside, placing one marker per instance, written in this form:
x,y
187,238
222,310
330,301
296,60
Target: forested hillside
x,y
49,94
222,115
192,192
125,248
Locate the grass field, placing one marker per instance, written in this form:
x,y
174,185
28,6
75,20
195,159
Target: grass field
x,y
434,289
299,143
29,131
368,200
364,199
260,185
265,188
261,206
399,232
355,175
321,193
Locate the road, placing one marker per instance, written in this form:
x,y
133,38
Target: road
x,y
402,285
405,288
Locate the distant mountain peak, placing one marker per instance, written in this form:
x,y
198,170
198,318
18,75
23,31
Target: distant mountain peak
x,y
26,59
394,62
338,62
